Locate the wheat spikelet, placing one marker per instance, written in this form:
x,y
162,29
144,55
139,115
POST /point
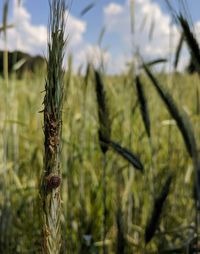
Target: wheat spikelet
x,y
53,101
143,105
157,210
191,41
103,113
179,115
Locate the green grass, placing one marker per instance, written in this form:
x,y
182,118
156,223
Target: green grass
x,y
82,166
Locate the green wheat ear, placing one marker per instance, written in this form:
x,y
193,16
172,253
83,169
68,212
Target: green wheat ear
x,y
53,103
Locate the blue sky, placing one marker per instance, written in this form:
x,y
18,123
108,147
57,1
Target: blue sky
x,y
31,19
39,12
39,9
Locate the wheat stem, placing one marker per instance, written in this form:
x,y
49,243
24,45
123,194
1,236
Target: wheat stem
x,y
53,101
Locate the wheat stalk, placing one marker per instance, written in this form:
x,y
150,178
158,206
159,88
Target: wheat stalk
x,y
104,137
53,101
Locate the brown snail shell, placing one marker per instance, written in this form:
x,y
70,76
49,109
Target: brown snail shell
x,y
53,181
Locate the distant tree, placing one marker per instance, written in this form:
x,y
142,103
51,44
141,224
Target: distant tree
x,y
30,63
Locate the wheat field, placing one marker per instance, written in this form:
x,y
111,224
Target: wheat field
x,y
128,159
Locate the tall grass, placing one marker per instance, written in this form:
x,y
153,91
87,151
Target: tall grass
x,y
134,220
104,137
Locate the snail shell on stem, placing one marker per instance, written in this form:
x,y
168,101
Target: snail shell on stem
x,y
53,181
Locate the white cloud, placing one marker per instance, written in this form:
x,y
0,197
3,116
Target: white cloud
x,y
33,38
93,54
75,30
197,30
144,9
160,42
25,36
113,9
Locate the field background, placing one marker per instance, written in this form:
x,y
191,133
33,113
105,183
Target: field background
x,y
82,163
130,194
